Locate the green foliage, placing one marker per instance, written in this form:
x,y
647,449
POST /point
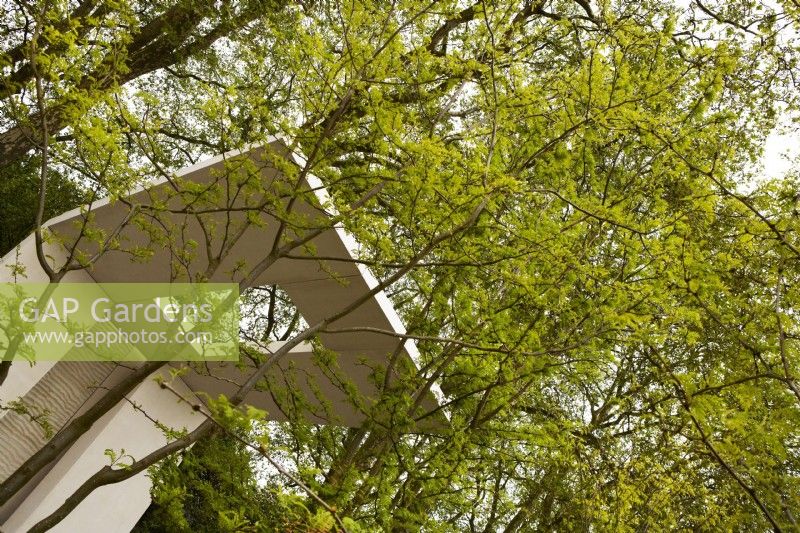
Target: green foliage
x,y
615,330
213,488
19,198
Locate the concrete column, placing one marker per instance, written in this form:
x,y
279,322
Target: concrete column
x,y
114,507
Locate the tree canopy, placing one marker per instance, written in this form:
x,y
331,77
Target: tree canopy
x,y
564,198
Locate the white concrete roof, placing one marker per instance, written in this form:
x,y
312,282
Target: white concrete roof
x,y
67,389
318,289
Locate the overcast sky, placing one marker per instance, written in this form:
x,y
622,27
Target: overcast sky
x,y
779,151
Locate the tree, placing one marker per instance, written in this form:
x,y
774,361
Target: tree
x,y
198,495
560,199
19,190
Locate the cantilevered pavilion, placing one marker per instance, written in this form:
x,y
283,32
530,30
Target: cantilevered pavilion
x,y
66,389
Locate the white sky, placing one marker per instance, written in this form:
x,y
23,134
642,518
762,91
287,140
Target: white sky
x,y
782,147
780,150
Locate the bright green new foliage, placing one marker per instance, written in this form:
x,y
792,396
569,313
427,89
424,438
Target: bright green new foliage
x,y
592,263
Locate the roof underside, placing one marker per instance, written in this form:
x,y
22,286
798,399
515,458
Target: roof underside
x,y
317,288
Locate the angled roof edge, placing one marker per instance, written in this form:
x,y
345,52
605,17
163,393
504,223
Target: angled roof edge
x,y
321,193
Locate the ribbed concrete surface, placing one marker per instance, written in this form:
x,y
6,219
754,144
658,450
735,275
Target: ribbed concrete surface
x,y
61,392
